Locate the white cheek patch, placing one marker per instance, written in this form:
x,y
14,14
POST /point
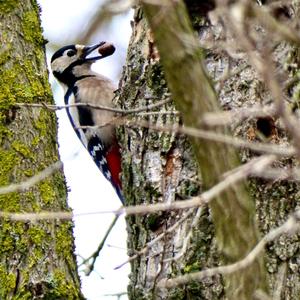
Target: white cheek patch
x,y
57,66
61,63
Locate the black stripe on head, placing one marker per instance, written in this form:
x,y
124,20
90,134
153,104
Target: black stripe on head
x,y
61,51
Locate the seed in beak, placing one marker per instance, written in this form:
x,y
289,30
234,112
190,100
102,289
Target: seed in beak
x,y
106,49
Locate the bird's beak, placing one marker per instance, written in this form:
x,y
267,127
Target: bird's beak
x,y
88,50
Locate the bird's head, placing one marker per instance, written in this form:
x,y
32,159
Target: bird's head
x,y
71,62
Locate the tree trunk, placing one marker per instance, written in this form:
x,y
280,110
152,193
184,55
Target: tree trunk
x,y
161,167
37,258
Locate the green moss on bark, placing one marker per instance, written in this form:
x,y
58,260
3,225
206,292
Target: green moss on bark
x,y
8,282
8,6
30,25
36,260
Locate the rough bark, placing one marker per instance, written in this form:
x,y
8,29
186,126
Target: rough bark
x,y
36,258
233,211
161,167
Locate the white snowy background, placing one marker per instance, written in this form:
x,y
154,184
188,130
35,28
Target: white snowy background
x,y
63,22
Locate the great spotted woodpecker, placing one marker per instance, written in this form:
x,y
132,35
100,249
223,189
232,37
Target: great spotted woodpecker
x,y
71,65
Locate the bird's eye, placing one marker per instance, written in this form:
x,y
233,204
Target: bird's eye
x,y
71,53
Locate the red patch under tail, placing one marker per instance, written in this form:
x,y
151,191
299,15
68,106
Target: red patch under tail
x,y
113,158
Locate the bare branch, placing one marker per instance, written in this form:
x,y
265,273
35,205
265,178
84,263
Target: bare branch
x,y
217,137
26,184
90,265
237,115
292,174
100,107
117,295
205,134
45,215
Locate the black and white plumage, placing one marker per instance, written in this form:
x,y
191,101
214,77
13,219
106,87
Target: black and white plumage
x,y
71,65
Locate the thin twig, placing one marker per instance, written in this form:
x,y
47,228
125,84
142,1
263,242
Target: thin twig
x,y
90,265
93,106
206,134
158,113
217,137
237,115
292,174
26,184
118,295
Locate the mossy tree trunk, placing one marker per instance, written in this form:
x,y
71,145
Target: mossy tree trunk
x,y
36,258
161,167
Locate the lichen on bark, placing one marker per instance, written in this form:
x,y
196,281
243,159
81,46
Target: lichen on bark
x,y
36,259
